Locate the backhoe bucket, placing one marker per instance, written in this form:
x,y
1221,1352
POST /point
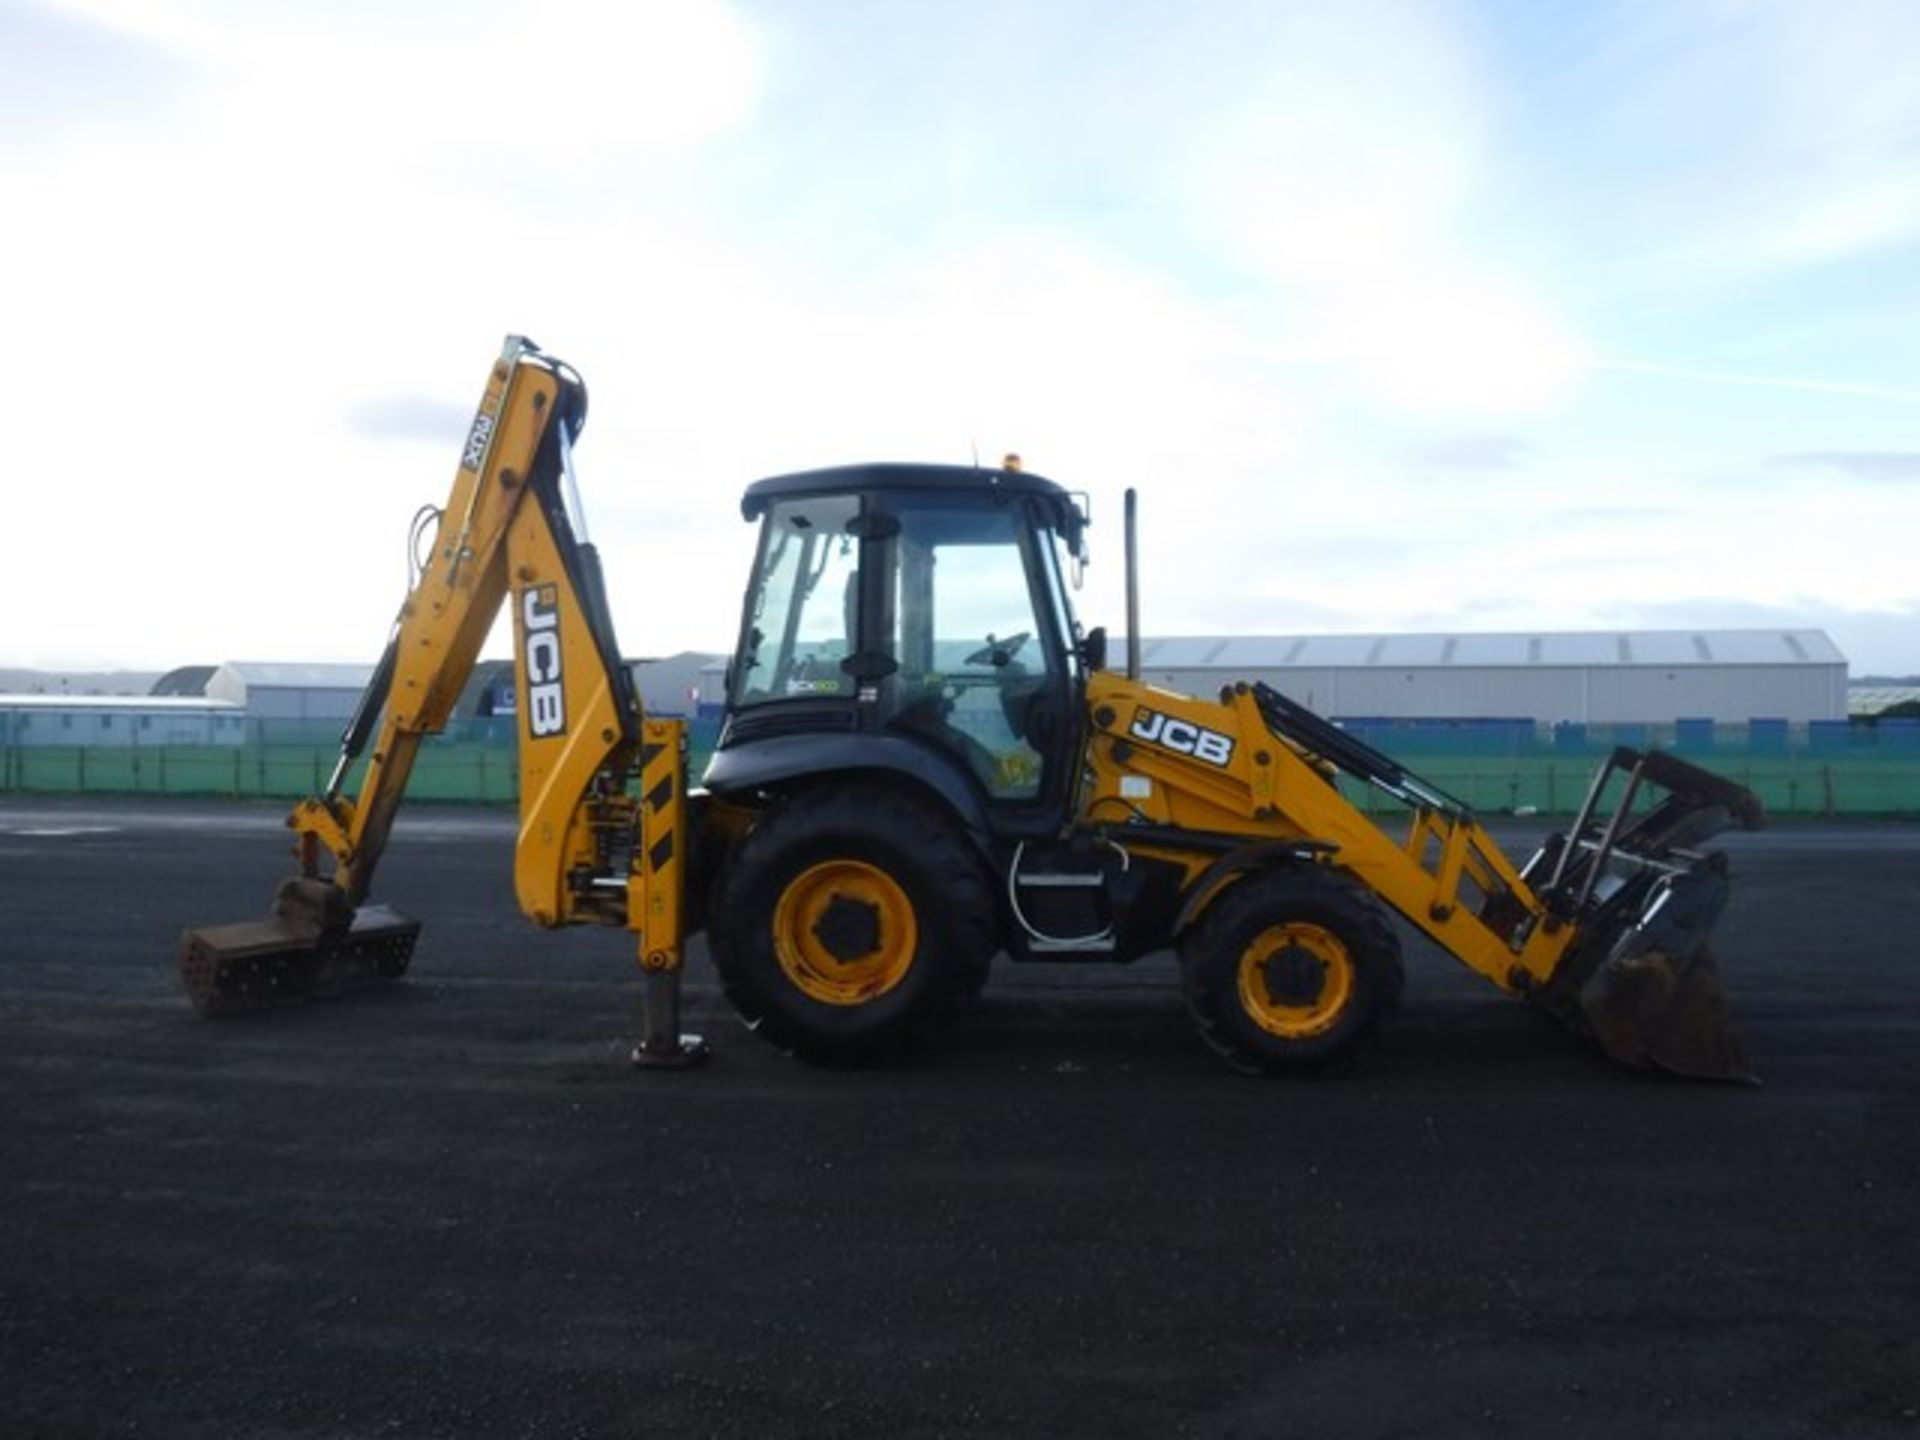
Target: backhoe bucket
x,y
310,945
1640,976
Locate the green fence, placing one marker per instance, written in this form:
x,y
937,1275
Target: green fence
x,y
442,772
1805,785
1803,772
1828,768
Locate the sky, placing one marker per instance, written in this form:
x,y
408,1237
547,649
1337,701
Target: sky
x,y
1401,315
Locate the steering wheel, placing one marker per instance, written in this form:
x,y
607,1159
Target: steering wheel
x,y
999,653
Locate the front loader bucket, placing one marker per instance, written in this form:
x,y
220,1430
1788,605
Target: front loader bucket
x,y
300,951
1654,1000
1640,976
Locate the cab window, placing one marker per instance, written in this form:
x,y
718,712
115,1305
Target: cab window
x,y
972,652
802,614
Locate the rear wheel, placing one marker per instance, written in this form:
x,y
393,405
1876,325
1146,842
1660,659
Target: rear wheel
x,y
851,923
1289,970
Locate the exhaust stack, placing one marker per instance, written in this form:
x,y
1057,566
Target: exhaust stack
x,y
1133,584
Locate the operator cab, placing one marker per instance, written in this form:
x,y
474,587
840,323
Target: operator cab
x,y
922,604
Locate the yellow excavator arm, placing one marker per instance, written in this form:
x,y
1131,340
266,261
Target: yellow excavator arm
x,y
603,805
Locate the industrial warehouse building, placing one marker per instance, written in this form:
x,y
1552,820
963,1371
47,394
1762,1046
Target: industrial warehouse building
x,y
1615,677
1624,677
1639,677
669,686
326,695
277,691
1870,698
118,720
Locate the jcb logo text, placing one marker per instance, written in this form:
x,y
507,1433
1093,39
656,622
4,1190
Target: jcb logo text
x,y
1181,736
540,625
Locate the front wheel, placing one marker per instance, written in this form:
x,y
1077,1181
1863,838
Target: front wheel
x,y
851,923
1290,969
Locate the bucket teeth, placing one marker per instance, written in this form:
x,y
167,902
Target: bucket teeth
x,y
256,965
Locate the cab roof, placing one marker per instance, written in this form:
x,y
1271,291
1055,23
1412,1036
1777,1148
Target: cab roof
x,y
886,475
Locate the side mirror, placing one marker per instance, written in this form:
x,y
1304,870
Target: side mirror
x,y
1093,648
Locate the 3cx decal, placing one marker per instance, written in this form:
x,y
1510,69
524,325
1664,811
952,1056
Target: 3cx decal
x,y
1181,736
478,439
540,627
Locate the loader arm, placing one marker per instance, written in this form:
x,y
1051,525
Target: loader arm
x,y
1605,927
1251,786
590,850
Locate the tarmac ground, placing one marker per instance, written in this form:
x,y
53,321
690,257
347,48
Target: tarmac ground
x,y
454,1209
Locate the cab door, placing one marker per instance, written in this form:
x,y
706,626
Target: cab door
x,y
980,666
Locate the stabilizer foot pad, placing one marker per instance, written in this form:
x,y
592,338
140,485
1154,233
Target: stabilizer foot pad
x,y
691,1050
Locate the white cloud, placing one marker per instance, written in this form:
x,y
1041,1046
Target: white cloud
x,y
330,77
1451,343
1346,185
1269,284
1774,136
205,305
1362,138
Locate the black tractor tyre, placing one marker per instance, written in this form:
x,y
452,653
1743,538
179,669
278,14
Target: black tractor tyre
x,y
1290,970
851,923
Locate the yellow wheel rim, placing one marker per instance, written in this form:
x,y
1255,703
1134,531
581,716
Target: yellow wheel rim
x,y
844,932
1295,980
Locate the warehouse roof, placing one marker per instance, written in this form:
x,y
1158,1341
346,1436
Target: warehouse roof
x,y
1583,648
275,674
184,680
1872,699
136,704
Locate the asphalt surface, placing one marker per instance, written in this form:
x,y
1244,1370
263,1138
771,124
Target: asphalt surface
x,y
455,1210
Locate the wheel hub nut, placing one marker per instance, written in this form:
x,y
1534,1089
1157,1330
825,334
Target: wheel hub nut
x,y
1295,976
848,929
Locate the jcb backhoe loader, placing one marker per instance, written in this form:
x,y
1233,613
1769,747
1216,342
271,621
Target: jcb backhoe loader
x,y
926,763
